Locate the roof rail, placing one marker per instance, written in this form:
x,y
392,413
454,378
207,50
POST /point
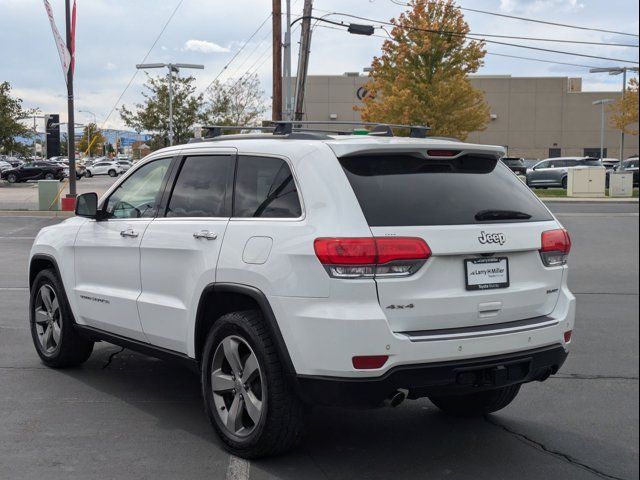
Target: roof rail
x,y
283,127
286,127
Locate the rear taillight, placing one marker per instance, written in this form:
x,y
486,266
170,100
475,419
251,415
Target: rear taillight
x,y
556,245
366,257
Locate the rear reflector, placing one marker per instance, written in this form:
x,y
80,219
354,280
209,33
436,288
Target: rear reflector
x,y
370,362
362,257
556,245
567,336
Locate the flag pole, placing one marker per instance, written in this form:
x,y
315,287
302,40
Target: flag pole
x,y
70,113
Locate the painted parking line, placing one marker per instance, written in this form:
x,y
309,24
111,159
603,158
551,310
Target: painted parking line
x,y
238,469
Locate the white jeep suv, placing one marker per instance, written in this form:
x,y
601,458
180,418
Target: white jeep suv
x,y
303,268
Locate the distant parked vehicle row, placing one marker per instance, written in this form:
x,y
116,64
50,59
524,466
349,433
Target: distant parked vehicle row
x,y
628,166
554,172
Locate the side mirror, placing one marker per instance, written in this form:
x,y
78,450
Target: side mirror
x,y
87,205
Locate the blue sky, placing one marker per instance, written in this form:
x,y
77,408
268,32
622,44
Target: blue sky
x,y
114,35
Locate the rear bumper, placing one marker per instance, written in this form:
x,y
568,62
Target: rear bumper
x,y
445,378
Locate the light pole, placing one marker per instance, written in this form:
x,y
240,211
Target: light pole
x,y
305,49
602,103
173,68
618,71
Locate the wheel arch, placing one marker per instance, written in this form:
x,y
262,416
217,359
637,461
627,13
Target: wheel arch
x,y
218,299
39,262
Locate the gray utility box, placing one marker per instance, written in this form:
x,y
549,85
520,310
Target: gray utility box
x,y
621,184
586,182
48,197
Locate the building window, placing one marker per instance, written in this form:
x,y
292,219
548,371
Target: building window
x,y
555,152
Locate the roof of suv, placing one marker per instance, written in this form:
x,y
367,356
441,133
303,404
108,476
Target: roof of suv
x,y
341,145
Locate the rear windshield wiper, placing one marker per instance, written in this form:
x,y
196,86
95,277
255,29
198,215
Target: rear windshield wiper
x,y
488,215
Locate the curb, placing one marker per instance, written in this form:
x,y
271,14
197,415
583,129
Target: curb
x,y
36,213
588,200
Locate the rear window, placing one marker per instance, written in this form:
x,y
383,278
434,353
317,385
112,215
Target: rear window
x,y
406,190
592,162
514,162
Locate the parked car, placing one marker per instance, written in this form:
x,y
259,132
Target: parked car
x,y
5,165
105,167
631,166
553,172
357,270
610,163
516,165
125,164
33,171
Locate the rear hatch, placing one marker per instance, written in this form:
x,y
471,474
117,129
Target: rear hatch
x,y
483,227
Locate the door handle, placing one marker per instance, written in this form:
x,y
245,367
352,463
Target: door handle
x,y
128,233
206,234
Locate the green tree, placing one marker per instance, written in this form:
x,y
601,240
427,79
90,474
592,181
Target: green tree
x,y
11,127
421,76
153,114
235,102
64,145
624,112
92,141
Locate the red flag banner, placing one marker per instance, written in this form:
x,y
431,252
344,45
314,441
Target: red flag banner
x,y
65,56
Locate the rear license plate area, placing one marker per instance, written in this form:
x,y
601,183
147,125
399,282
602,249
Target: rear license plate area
x,y
486,273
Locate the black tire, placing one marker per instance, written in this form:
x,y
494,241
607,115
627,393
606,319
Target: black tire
x,y
71,349
49,176
282,418
565,182
113,173
476,404
12,178
89,174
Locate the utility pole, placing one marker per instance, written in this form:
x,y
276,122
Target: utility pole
x,y
70,113
276,98
171,70
288,106
624,92
303,58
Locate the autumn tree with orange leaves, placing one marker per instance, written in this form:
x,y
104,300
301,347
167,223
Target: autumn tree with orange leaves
x,y
421,76
624,112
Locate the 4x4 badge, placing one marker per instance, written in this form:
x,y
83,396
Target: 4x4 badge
x,y
485,238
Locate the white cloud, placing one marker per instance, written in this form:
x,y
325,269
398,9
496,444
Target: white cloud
x,y
110,66
529,6
203,46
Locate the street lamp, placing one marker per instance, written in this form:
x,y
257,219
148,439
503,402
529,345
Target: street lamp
x,y
173,68
602,103
618,71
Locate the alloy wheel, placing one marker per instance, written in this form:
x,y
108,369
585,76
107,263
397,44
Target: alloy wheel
x,y
237,383
48,321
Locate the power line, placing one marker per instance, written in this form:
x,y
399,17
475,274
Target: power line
x,y
533,20
115,105
488,53
239,51
464,35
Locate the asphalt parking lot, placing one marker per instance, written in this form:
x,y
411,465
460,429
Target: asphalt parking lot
x,y
123,415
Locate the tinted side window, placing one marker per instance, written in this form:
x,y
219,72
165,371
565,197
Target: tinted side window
x,y
138,195
265,188
543,165
201,187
